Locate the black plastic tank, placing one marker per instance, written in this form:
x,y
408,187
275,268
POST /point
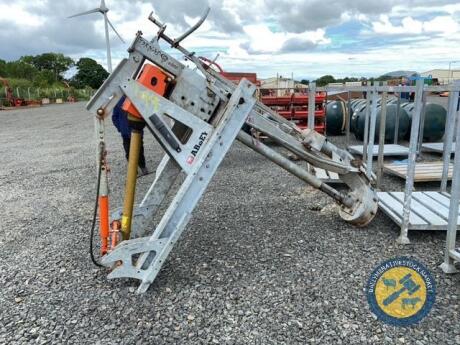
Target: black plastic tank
x,y
358,119
335,117
357,106
435,121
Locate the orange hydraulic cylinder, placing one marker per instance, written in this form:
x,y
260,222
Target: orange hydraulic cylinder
x,y
104,222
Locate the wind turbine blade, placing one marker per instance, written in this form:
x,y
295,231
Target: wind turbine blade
x,y
96,10
113,28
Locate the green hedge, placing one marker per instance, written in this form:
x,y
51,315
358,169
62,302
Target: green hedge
x,y
24,89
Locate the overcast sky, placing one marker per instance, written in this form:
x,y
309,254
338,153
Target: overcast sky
x,y
308,38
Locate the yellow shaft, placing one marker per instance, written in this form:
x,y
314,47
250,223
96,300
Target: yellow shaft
x,y
130,188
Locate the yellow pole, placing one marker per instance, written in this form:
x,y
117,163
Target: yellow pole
x,y
130,188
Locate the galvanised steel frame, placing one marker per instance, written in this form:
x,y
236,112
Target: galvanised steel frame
x,y
208,113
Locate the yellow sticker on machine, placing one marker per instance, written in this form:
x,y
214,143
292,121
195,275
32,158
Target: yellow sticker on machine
x,y
124,222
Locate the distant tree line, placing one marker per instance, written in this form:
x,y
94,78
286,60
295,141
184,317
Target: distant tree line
x,y
328,79
48,70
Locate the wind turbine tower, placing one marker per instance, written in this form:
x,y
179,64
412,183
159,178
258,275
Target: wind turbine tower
x,y
103,10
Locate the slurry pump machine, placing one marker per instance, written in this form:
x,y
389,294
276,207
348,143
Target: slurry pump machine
x,y
196,115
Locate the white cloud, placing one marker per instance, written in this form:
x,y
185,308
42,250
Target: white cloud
x,y
260,39
11,12
410,26
427,8
442,24
309,37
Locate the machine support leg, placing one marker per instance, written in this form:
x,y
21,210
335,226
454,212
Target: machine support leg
x,y
103,201
130,189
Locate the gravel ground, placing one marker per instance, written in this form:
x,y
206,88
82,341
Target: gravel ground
x,y
265,259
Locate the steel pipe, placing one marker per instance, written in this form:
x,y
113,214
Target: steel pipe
x,y
293,168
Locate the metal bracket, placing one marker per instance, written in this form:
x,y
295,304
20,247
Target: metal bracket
x,y
173,222
107,96
154,108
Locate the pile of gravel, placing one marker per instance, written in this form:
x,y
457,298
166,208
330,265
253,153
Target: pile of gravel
x,y
264,260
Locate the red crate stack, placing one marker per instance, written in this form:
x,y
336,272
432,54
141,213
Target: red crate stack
x,y
291,105
294,107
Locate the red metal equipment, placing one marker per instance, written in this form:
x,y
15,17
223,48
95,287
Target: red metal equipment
x,y
10,99
233,76
292,106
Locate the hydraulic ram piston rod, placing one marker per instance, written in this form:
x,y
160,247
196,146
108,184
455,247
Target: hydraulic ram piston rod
x,y
293,168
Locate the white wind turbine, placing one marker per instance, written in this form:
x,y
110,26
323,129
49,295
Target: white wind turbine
x,y
103,9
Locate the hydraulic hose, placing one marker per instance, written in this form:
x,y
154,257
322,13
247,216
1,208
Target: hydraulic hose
x,y
96,204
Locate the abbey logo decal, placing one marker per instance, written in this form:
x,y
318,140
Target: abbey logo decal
x,y
196,148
